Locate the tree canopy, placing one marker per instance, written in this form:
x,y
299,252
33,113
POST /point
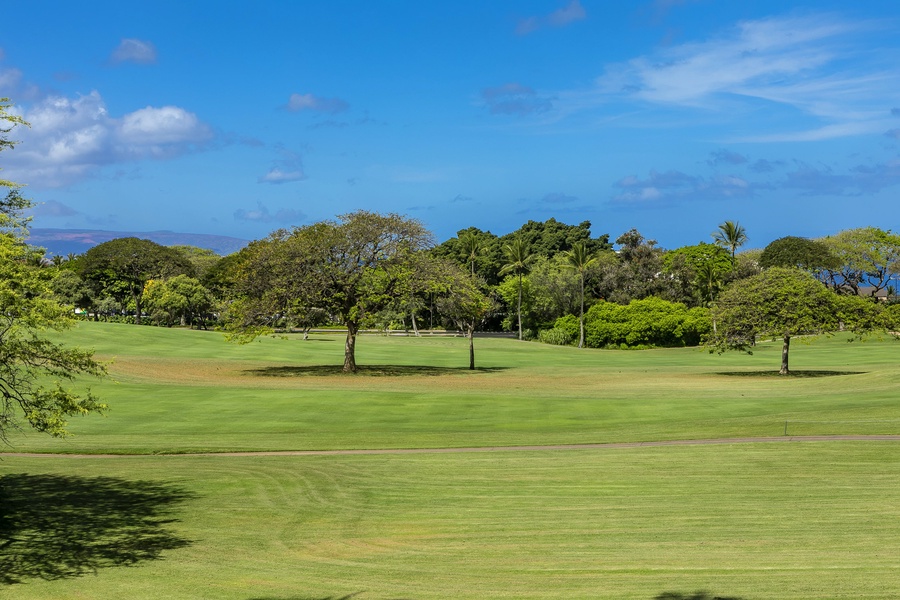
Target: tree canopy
x,y
32,366
123,267
798,252
351,268
780,303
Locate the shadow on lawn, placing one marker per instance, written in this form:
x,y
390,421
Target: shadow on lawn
x,y
365,371
797,374
59,526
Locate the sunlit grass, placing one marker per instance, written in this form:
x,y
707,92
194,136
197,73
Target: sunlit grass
x,y
757,521
188,391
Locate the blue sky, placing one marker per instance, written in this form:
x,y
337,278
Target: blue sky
x,y
670,116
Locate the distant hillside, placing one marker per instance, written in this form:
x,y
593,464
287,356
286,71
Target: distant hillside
x,y
65,241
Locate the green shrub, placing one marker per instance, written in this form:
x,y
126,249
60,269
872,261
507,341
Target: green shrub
x,y
645,323
555,336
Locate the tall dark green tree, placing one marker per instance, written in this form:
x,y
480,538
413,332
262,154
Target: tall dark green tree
x,y
798,252
123,266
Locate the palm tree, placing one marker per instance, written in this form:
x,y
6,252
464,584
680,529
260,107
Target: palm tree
x,y
517,261
472,246
732,236
580,259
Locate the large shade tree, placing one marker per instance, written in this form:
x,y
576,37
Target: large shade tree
x,y
33,367
351,268
780,303
123,266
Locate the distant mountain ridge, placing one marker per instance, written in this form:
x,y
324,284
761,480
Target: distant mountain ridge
x,y
77,241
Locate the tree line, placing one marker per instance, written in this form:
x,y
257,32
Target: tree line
x,y
547,281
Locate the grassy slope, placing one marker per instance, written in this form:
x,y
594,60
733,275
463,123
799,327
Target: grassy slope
x,y
758,521
192,391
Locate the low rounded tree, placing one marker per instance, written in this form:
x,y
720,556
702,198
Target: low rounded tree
x,y
802,253
779,303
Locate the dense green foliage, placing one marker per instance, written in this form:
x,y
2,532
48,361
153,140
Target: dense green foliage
x,y
645,323
121,268
798,252
779,303
352,269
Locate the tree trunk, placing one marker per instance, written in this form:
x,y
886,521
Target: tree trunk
x,y
581,316
472,346
520,307
784,356
412,316
137,308
350,348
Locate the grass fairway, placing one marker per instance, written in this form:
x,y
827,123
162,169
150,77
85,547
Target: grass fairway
x,y
188,391
756,521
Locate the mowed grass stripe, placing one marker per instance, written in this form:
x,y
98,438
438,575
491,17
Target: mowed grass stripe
x,y
759,521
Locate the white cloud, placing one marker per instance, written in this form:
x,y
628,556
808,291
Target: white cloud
x,y
134,51
160,126
70,138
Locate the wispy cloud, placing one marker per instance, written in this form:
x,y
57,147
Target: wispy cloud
x,y
71,138
725,157
556,198
676,186
570,13
286,169
300,102
793,69
856,181
134,51
261,214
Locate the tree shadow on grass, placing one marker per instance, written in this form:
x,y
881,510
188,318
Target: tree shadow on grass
x,y
366,371
694,596
59,526
795,374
